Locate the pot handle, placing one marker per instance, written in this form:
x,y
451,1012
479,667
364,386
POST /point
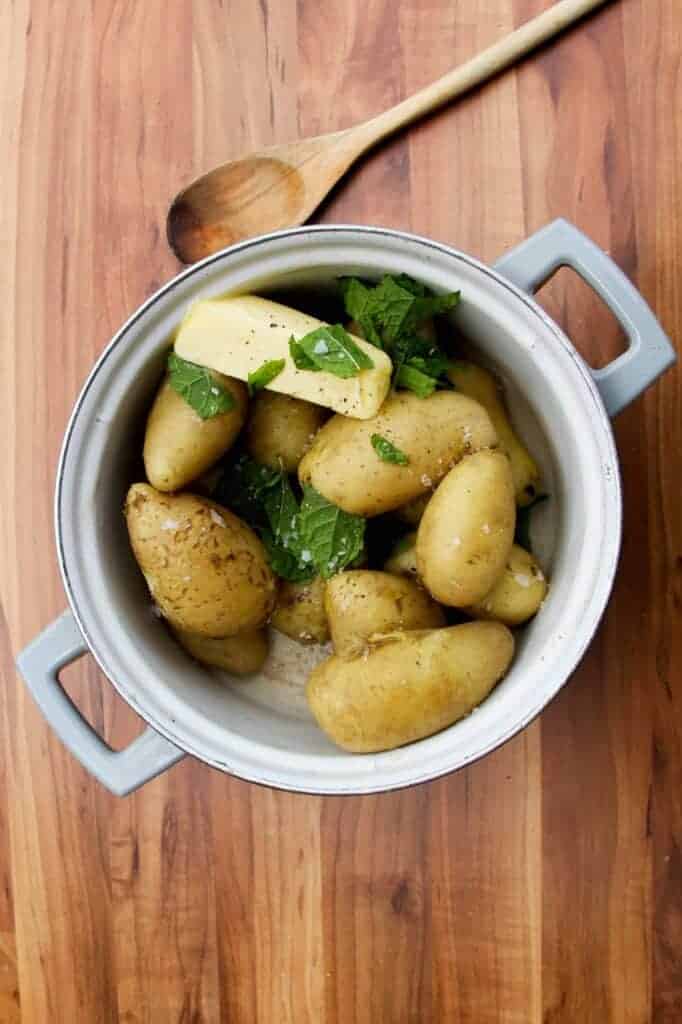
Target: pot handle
x,y
649,352
121,771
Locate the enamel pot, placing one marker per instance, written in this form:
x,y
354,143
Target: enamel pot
x,y
260,730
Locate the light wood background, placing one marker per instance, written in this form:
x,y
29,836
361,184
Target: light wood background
x,y
541,885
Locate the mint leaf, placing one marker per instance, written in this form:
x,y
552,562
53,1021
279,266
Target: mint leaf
x,y
266,373
435,365
243,486
355,295
285,563
357,303
397,305
414,379
197,386
387,451
301,360
523,518
331,348
332,537
409,283
281,508
264,498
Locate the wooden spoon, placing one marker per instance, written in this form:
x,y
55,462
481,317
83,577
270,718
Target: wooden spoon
x,y
281,186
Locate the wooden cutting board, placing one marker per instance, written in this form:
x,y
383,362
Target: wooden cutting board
x,y
540,886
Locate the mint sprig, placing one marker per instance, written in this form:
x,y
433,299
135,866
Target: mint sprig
x,y
332,537
387,451
198,387
265,374
329,347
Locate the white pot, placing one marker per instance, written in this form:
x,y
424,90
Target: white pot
x,y
256,730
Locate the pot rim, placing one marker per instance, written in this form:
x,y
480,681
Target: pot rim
x,y
614,510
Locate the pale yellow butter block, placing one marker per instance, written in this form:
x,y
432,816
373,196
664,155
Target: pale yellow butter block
x,y
237,335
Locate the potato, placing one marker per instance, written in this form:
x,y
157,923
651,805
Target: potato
x,y
403,559
476,382
467,530
241,654
178,445
280,429
409,686
518,593
362,604
414,510
433,432
300,613
205,568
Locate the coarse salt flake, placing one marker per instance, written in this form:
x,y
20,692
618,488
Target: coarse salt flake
x,y
218,519
522,579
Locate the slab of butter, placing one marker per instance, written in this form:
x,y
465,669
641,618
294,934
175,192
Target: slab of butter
x,y
237,335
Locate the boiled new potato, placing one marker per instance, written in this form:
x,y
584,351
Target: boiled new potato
x,y
362,604
408,686
300,613
476,382
518,593
414,510
434,433
179,445
467,530
206,569
280,429
241,654
402,560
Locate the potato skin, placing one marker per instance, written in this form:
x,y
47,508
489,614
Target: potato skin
x,y
241,654
467,530
478,383
518,593
409,686
433,432
300,613
178,445
361,604
403,559
205,568
280,429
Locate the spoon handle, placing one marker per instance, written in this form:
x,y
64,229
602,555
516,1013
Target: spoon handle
x,y
482,67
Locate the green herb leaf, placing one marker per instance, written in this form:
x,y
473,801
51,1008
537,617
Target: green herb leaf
x,y
414,379
396,305
331,537
523,519
387,451
198,387
301,360
409,283
357,303
281,508
243,486
285,563
264,498
331,348
266,373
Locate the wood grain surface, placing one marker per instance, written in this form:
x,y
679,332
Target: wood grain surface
x,y
540,886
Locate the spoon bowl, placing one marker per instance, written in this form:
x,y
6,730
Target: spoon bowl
x,y
279,187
